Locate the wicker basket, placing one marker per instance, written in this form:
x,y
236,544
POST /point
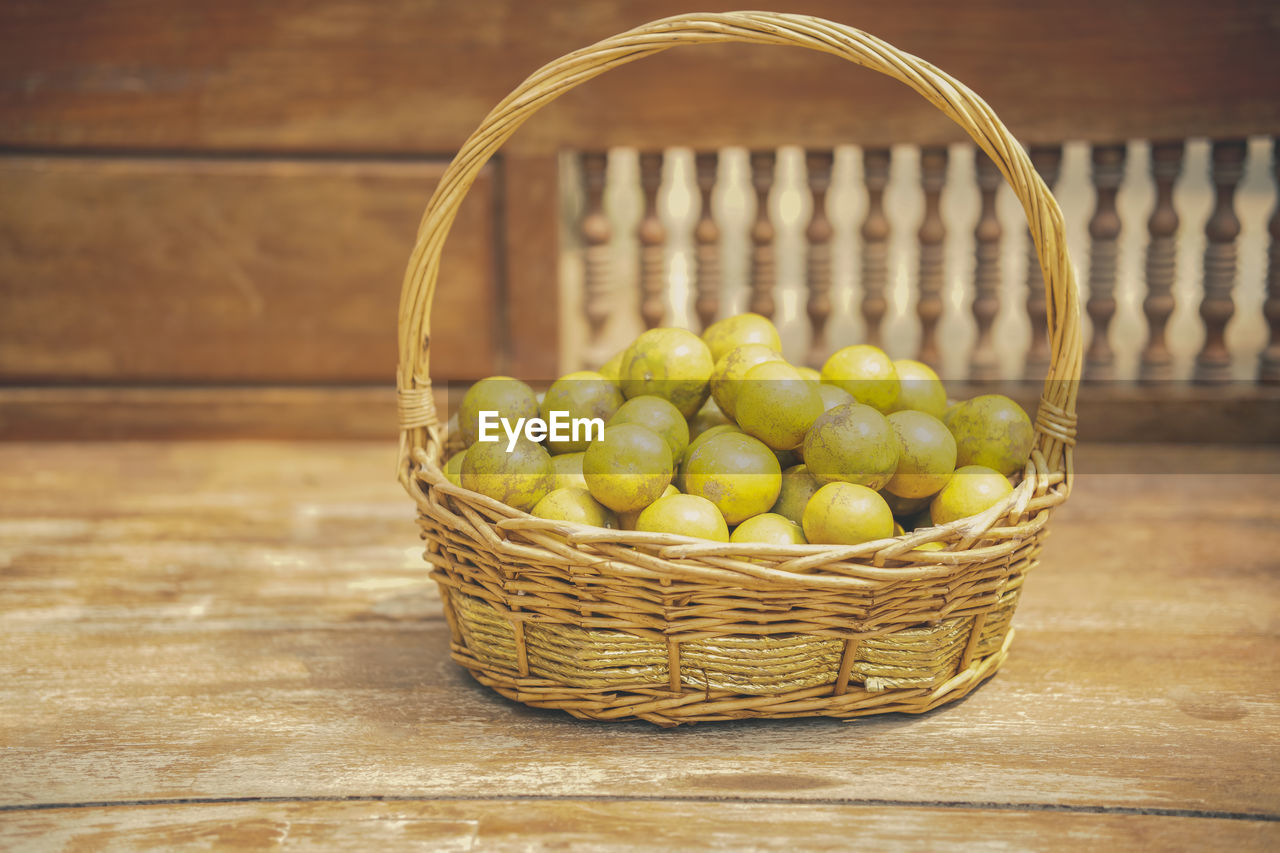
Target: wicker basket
x,y
610,624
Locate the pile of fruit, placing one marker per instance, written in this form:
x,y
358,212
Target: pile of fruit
x,y
719,437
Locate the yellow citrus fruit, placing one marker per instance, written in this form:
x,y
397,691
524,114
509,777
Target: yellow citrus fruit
x,y
852,443
809,374
453,468
612,369
833,396
725,335
567,470
731,369
671,363
905,507
769,527
627,520
926,455
682,466
866,373
930,546
798,485
972,489
582,394
656,414
510,398
992,431
687,515
846,514
707,417
519,478
575,505
628,468
776,406
920,388
737,473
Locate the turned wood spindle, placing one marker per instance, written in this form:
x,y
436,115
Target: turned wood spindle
x,y
932,237
1162,253
762,263
596,232
653,279
1269,363
875,243
818,165
984,362
706,235
1213,364
1104,233
1047,160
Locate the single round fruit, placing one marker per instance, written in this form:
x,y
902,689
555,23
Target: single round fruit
x,y
582,394
992,431
682,465
905,507
628,468
627,520
930,546
798,485
972,489
846,514
731,369
453,468
612,369
519,478
926,455
737,473
658,415
687,515
776,406
567,469
852,443
920,388
671,363
707,417
809,374
575,505
771,528
833,396
510,398
866,373
725,335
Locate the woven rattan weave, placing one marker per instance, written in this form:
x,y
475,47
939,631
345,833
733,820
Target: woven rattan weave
x,y
610,624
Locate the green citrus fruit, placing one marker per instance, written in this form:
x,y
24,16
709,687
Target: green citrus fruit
x,y
992,431
453,468
671,363
846,514
519,478
737,473
707,417
567,469
798,485
920,388
776,406
731,369
866,373
687,515
627,520
682,466
628,468
926,455
905,507
612,369
582,394
575,505
852,443
658,415
771,528
510,398
833,396
972,489
726,335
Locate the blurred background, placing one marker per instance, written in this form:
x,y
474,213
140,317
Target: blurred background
x,y
206,208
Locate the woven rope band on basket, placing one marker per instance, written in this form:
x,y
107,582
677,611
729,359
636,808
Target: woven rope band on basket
x,y
612,624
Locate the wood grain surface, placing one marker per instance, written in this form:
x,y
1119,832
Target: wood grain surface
x,y
235,642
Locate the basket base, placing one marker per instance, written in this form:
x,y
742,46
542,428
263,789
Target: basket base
x,y
668,708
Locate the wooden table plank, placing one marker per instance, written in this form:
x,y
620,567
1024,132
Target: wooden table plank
x,y
230,620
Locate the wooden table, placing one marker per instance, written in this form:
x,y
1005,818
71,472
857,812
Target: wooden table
x,y
236,644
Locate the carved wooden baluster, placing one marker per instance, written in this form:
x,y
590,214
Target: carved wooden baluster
x,y
706,235
1162,252
1104,231
932,235
1213,364
1048,162
984,363
875,242
1269,367
762,264
818,165
596,233
653,279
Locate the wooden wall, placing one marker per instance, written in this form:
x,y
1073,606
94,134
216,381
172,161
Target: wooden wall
x,y
205,208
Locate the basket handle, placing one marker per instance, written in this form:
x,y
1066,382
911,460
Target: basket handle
x,y
1055,419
